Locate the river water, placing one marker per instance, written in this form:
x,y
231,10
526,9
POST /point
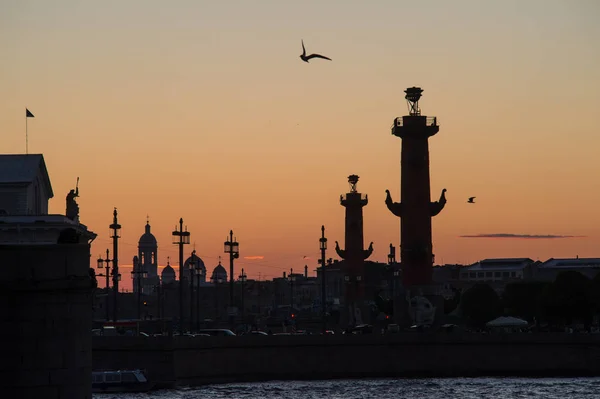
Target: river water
x,y
463,388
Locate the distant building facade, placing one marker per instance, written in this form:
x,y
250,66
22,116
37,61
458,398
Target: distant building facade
x,y
499,270
148,258
548,270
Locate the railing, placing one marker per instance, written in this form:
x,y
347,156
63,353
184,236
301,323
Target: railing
x,y
429,121
344,197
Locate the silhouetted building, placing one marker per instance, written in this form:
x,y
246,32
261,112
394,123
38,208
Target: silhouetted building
x,y
193,262
219,273
148,258
548,270
498,270
46,286
24,185
167,275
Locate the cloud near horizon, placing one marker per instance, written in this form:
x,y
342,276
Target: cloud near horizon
x,y
521,236
256,257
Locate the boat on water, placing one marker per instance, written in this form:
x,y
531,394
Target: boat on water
x,y
120,381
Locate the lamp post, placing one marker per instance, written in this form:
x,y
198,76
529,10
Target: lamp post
x,y
105,264
116,229
216,281
192,270
158,292
181,238
199,272
323,248
394,273
242,279
291,279
137,271
231,248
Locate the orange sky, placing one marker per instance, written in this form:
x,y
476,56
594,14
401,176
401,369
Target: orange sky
x,y
204,111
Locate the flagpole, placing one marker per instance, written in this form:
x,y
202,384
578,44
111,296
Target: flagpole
x,y
26,136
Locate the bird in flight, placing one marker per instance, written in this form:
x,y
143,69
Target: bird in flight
x,y
305,57
471,200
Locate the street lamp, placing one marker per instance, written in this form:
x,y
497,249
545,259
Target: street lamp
x,y
140,273
323,248
394,274
291,279
233,249
199,272
159,293
392,255
192,270
116,229
105,264
216,281
181,238
242,279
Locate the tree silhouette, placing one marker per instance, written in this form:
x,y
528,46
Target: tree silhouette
x,y
568,299
523,299
480,304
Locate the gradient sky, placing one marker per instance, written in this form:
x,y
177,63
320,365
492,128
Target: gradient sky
x,y
203,110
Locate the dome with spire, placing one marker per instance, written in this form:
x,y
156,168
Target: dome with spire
x,y
194,261
219,273
168,274
147,239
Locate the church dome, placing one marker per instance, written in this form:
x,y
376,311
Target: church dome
x,y
219,272
168,274
147,239
193,259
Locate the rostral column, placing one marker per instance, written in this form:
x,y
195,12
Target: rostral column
x,y
415,209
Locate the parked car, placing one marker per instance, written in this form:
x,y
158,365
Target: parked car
x,y
360,329
217,332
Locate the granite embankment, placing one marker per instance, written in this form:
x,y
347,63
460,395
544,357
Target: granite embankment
x,y
206,360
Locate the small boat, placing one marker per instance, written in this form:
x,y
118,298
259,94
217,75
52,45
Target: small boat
x,y
120,381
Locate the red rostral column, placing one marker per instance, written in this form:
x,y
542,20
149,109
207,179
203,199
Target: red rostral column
x,y
415,209
354,252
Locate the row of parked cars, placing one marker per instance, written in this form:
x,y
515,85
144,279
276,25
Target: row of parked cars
x,y
223,332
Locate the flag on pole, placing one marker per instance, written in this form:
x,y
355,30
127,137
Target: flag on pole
x,y
28,114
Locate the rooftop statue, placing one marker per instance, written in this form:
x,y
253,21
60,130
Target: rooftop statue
x,y
72,211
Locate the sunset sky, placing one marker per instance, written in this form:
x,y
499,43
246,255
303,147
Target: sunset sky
x,y
203,110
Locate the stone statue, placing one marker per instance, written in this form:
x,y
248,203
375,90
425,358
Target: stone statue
x,y
72,207
421,311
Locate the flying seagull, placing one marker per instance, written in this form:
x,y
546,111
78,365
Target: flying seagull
x,y
305,57
471,200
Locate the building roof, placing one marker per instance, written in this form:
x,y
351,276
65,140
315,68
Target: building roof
x,y
168,270
193,259
22,169
553,263
500,264
219,272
